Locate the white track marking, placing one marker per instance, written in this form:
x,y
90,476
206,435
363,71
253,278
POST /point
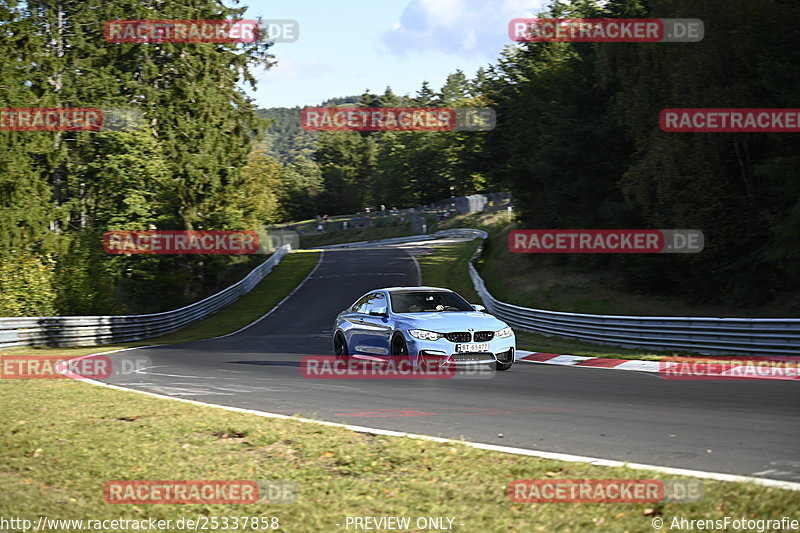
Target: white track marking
x,y
787,485
143,371
416,265
567,360
231,389
170,391
265,315
639,366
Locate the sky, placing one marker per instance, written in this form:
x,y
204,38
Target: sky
x,y
347,46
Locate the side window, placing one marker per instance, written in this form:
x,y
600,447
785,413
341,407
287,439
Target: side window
x,y
374,301
358,307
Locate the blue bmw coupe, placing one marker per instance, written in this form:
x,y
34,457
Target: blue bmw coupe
x,y
422,324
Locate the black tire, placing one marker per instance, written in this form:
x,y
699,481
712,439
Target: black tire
x,y
399,350
502,366
340,348
399,346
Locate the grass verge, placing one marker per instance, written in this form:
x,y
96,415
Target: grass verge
x,y
333,236
56,466
584,283
62,440
292,269
447,266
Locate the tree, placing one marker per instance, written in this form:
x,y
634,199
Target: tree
x,y
178,165
455,90
346,160
425,95
301,184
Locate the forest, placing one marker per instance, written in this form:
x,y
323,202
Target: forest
x,y
577,144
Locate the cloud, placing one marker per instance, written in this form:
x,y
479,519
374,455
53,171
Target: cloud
x,y
468,28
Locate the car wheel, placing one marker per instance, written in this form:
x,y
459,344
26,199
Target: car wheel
x,y
340,348
399,350
502,366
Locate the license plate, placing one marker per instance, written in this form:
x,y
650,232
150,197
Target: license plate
x,y
473,347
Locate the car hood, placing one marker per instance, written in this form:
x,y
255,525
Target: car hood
x,y
450,321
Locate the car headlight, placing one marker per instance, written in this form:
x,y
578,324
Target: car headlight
x,y
503,333
425,335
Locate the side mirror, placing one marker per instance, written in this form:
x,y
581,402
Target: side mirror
x,y
478,307
379,311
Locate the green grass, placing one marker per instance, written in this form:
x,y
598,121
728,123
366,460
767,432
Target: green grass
x,y
63,440
310,240
546,281
447,267
383,228
292,269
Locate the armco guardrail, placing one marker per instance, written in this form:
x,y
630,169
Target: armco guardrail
x,y
753,336
93,330
444,234
707,335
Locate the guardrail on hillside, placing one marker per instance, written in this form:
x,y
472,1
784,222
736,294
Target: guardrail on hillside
x,y
754,336
706,335
93,330
443,234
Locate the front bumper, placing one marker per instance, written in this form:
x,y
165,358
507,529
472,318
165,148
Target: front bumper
x,y
443,351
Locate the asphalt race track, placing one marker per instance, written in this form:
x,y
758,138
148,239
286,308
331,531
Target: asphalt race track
x,y
737,427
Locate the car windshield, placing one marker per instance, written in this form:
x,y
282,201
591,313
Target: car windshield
x,y
428,301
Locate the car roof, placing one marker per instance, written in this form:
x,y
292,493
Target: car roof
x,y
398,289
